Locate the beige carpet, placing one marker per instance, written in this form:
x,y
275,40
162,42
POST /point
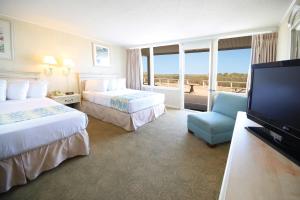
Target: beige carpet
x,y
160,161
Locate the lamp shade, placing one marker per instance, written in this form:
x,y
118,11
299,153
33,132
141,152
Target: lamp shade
x,y
68,62
50,60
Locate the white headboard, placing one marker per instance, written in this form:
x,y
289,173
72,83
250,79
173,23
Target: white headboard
x,y
19,75
93,76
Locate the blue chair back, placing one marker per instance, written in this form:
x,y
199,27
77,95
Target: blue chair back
x,y
229,104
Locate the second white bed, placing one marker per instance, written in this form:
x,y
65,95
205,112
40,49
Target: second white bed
x,y
134,105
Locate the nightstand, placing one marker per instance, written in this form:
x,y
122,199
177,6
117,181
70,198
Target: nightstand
x,y
73,100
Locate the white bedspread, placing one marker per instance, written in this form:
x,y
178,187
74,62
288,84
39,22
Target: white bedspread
x,y
104,99
23,136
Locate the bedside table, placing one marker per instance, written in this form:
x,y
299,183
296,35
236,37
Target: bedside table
x,y
73,100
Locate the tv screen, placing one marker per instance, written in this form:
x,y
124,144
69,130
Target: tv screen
x,y
275,95
274,103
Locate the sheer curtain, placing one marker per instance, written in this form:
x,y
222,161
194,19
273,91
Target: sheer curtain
x,y
264,49
133,69
295,48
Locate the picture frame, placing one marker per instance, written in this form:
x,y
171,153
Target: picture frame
x,y
101,55
5,40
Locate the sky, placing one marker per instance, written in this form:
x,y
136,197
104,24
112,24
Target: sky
x,y
229,61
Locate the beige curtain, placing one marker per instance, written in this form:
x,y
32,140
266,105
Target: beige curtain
x,y
133,69
295,44
264,47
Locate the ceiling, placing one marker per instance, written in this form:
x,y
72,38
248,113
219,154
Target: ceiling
x,y
137,22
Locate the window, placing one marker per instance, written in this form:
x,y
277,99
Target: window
x,y
146,65
233,64
166,66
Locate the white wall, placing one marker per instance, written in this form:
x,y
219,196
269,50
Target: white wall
x,y
284,36
32,42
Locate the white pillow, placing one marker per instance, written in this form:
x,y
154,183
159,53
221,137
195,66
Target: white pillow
x,y
37,89
90,85
17,90
100,85
121,84
113,84
3,84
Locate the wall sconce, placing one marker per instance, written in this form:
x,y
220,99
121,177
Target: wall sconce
x,y
68,64
50,61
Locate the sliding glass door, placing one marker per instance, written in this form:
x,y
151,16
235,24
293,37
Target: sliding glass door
x,y
220,65
190,73
196,79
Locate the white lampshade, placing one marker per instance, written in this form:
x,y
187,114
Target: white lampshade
x,y
50,60
68,62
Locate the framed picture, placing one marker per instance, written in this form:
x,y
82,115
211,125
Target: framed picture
x,y
5,40
101,55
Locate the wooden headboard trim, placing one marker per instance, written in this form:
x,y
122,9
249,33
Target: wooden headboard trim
x,y
19,75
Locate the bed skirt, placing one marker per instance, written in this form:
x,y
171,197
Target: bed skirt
x,y
20,169
128,121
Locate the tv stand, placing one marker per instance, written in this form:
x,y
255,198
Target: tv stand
x,y
276,141
255,170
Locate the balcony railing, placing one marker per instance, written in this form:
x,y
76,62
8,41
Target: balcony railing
x,y
232,86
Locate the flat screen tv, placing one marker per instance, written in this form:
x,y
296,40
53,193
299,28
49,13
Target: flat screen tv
x,y
274,103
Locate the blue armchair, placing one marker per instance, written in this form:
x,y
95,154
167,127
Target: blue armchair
x,y
217,126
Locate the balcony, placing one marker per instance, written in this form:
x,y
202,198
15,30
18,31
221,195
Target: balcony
x,y
196,87
196,95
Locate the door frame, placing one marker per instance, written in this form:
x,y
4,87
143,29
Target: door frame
x,y
212,66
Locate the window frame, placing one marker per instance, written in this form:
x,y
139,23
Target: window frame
x,y
148,68
239,46
153,66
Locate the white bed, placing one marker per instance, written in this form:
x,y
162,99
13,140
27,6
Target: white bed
x,y
104,99
35,145
127,108
16,138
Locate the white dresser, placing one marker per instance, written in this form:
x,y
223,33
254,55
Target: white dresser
x,y
254,170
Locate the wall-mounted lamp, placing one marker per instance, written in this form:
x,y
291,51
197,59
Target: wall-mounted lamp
x,y
68,64
50,61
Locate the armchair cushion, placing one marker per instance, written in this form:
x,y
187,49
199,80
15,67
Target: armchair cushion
x,y
212,122
229,104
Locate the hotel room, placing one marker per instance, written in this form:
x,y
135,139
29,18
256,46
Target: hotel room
x,y
150,99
